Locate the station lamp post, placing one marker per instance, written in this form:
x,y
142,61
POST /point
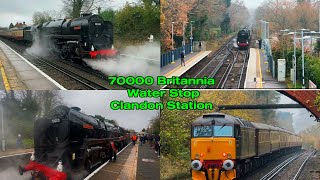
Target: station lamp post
x,y
294,59
184,38
172,50
191,37
302,55
302,46
283,33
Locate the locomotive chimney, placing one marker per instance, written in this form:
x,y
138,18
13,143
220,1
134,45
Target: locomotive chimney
x,y
86,14
76,108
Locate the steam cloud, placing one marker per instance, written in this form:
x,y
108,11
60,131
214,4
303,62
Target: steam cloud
x,y
13,173
143,60
38,48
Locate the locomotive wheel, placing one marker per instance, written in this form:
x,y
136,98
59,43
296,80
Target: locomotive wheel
x,y
65,53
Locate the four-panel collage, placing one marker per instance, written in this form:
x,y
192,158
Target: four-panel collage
x,y
160,90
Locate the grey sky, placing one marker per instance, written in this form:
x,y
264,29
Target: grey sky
x,y
252,3
19,11
97,103
301,117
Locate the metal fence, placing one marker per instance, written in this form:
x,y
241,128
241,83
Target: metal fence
x,y
166,58
268,55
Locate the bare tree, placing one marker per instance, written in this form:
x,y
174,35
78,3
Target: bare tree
x,y
73,8
41,17
47,101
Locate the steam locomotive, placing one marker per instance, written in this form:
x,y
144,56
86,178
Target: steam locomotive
x,y
244,38
67,141
227,147
88,36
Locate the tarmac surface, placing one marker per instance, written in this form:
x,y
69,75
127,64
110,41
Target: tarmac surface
x,y
258,73
17,73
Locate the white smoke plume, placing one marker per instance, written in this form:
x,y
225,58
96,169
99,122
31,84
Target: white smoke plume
x,y
38,46
142,60
13,173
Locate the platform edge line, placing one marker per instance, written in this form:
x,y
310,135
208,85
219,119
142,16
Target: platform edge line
x,y
37,69
4,78
99,168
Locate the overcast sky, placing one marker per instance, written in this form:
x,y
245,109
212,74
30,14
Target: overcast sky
x,y
252,3
22,10
301,117
98,103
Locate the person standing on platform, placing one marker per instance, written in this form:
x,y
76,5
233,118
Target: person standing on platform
x,y
141,140
134,139
156,143
182,58
115,150
19,142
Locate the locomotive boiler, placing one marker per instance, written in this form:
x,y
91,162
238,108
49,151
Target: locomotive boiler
x,y
71,141
88,36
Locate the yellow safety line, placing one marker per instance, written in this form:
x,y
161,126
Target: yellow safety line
x,y
4,77
190,60
260,68
110,171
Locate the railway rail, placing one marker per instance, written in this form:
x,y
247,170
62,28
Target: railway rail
x,y
71,75
297,175
227,66
275,172
231,75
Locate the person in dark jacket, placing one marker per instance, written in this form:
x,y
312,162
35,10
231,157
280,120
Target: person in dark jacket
x,y
182,58
115,150
157,143
19,142
141,139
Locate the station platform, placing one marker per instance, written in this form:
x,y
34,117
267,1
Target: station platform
x,y
177,70
258,76
133,162
17,73
14,152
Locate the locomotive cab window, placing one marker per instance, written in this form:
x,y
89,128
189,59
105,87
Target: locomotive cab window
x,y
213,131
202,131
223,131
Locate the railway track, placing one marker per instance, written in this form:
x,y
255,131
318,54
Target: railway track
x,y
211,68
297,175
227,66
231,74
69,74
276,173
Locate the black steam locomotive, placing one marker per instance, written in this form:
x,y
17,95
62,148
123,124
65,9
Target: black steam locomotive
x,y
88,36
71,141
244,38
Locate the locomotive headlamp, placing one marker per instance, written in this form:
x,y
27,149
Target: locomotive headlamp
x,y
228,164
60,166
196,165
197,156
92,48
229,156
